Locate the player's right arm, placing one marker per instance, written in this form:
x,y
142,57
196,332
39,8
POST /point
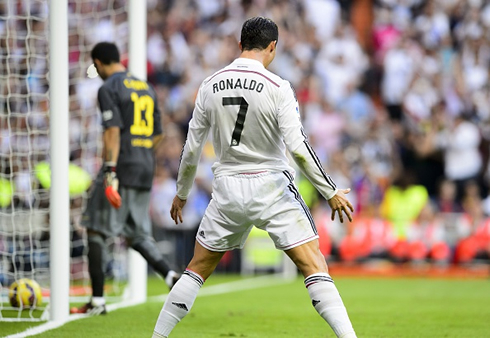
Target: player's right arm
x,y
112,123
112,144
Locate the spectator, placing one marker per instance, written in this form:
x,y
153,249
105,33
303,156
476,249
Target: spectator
x,y
399,70
402,203
463,160
432,58
446,199
326,128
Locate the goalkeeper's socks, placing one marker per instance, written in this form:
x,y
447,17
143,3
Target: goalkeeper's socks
x,y
327,302
178,303
98,301
95,264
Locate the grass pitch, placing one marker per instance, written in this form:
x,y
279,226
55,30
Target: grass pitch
x,y
403,307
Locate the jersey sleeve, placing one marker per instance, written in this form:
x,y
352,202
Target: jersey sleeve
x,y
111,114
191,153
297,143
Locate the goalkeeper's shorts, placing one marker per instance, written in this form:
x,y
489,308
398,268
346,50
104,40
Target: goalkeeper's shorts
x,y
132,219
268,200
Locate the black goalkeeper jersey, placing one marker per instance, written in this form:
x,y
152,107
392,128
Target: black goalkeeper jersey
x,y
131,105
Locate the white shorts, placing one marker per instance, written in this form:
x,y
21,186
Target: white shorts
x,y
268,200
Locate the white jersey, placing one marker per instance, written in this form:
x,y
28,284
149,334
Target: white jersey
x,y
254,117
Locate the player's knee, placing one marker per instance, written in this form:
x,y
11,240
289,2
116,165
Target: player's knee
x,y
309,261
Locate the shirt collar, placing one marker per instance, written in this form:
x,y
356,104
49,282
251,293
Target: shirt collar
x,y
248,61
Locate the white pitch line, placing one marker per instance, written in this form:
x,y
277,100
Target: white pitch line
x,y
240,285
38,329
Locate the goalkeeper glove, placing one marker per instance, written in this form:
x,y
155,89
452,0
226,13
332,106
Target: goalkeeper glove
x,y
111,184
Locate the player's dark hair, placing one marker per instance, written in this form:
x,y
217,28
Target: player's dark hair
x,y
258,32
105,52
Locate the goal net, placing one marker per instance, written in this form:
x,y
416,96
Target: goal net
x,y
24,144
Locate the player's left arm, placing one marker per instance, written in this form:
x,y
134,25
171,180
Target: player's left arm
x,y
305,157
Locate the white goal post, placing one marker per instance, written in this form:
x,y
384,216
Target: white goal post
x,y
137,65
59,194
59,210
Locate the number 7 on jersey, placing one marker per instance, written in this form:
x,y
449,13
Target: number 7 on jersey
x,y
240,120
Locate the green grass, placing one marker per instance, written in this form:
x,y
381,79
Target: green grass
x,y
377,307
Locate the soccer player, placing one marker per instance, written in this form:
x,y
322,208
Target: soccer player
x,y
254,117
119,201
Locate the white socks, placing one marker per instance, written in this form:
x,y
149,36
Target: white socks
x,y
327,302
178,303
323,293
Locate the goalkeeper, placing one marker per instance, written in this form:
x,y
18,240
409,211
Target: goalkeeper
x,y
120,197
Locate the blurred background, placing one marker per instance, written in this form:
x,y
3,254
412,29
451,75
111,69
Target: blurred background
x,y
394,95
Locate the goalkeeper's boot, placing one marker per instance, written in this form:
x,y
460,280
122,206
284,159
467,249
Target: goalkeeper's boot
x,y
90,309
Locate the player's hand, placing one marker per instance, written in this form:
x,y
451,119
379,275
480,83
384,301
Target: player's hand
x,y
111,184
340,204
176,209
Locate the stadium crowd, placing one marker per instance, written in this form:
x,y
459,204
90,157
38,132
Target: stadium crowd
x,y
400,113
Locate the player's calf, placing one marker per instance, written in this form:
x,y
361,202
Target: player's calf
x,y
327,302
178,303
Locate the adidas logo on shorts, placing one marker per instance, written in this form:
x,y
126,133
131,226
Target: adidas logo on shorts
x,y
201,233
